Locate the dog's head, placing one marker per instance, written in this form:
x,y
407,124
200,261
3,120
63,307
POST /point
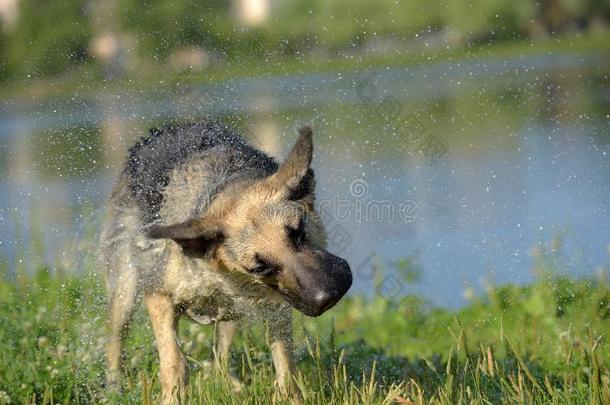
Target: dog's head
x,y
269,230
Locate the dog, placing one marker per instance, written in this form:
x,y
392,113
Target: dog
x,y
203,225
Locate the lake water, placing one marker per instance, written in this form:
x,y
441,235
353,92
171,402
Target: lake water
x,y
465,168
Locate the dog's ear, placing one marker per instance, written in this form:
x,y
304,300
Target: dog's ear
x,y
295,178
196,236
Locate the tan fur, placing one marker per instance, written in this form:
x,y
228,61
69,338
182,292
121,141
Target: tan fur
x,y
172,365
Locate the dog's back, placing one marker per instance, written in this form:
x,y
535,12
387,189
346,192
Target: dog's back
x,y
176,161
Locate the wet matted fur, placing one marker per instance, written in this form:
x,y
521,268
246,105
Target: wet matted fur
x,y
202,224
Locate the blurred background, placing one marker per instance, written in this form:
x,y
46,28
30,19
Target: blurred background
x,y
489,119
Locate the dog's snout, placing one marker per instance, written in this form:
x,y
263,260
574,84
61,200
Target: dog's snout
x,y
319,285
335,283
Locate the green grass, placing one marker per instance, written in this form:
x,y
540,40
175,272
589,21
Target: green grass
x,y
541,343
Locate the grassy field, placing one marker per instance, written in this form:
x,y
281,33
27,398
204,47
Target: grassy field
x,y
541,343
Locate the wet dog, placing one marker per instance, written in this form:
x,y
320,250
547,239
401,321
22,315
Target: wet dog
x,y
202,224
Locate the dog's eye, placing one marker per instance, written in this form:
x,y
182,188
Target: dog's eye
x,y
297,235
263,268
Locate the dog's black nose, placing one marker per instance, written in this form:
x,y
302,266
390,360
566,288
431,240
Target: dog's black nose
x,y
320,285
323,300
337,281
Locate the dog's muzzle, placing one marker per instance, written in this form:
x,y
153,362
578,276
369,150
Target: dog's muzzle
x,y
320,286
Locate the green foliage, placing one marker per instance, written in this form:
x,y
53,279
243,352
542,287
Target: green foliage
x,y
52,36
4,57
49,37
161,26
487,18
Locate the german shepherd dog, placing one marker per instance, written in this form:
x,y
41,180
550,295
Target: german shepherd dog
x,y
202,224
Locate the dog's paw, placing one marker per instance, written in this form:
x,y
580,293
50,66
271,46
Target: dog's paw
x,y
236,384
113,381
287,391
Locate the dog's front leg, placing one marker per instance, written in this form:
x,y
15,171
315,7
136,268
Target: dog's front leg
x,y
172,365
280,333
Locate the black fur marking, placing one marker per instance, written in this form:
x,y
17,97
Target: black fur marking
x,y
297,235
304,188
151,159
199,247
